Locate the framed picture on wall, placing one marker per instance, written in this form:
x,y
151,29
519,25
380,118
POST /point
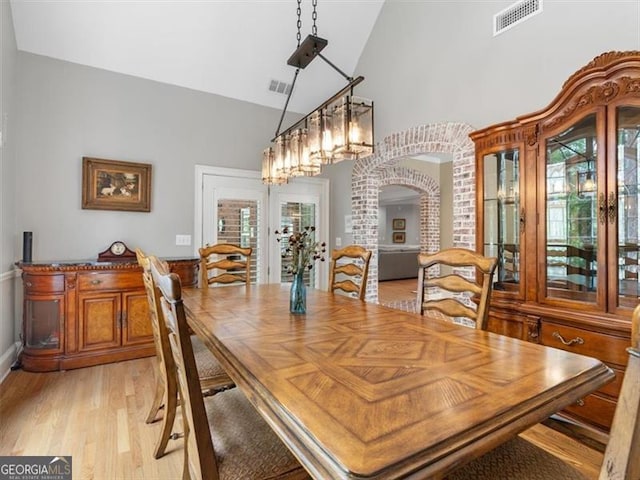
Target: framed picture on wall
x,y
116,185
399,224
398,237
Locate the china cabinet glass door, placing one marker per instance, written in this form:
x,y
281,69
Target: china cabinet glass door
x,y
502,213
623,209
574,228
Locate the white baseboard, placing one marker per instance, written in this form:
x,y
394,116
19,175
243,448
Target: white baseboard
x,y
7,359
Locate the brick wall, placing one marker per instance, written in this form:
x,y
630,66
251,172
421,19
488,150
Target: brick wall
x,y
379,170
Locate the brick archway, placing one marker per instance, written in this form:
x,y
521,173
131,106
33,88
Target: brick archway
x,y
378,170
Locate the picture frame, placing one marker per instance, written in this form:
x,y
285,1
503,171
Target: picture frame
x,y
398,237
399,224
116,185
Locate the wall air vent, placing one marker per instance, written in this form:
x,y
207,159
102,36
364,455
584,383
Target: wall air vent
x,y
515,14
279,87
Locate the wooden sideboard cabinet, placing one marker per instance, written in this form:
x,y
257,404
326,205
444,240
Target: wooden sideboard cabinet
x,y
558,203
78,314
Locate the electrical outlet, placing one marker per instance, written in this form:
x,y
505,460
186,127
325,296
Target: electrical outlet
x,y
183,240
338,242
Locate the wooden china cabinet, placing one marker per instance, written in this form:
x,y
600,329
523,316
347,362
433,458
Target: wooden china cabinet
x,y
558,204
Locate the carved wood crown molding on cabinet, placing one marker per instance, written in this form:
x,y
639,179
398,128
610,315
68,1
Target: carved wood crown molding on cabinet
x,y
558,201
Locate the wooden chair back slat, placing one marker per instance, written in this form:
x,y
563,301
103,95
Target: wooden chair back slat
x,y
349,269
450,307
347,286
454,283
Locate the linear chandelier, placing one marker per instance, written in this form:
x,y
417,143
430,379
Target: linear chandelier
x,y
339,129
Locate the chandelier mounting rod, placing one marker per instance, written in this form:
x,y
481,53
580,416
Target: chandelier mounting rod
x,y
346,77
286,104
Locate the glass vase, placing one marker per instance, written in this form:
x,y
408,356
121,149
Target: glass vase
x,y
298,296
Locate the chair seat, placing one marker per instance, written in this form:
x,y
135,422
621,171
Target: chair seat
x,y
517,459
210,371
246,447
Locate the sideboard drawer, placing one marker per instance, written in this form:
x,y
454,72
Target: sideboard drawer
x,y
110,280
607,348
43,283
595,409
612,389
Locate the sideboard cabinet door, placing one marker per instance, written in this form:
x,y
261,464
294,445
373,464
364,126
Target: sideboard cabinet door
x,y
136,326
99,321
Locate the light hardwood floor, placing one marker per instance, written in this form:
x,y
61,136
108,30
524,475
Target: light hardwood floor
x,y
94,414
397,290
97,414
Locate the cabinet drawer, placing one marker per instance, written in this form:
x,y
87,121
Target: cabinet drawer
x,y
595,410
613,388
43,283
110,280
607,348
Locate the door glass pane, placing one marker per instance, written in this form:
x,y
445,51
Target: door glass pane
x,y
501,211
628,177
571,212
296,216
238,223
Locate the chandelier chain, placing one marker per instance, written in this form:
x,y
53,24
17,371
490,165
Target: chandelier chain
x,y
314,16
299,13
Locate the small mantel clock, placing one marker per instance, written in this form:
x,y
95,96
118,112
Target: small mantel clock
x,y
117,252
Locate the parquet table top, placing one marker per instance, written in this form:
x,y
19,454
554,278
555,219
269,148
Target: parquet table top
x,y
358,390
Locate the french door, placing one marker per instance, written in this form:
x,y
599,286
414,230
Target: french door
x,y
234,206
296,206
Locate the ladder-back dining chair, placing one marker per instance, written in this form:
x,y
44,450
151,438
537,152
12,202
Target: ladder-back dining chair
x,y
228,439
520,459
349,270
225,263
213,378
453,285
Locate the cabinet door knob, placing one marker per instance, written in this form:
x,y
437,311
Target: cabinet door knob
x,y
28,284
602,209
613,207
576,341
96,282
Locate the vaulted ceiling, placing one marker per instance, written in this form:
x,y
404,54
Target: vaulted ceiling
x,y
233,48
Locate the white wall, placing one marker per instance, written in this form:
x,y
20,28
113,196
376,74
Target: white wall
x,y
442,62
411,214
8,312
68,111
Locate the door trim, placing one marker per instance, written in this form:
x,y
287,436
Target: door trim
x,y
200,172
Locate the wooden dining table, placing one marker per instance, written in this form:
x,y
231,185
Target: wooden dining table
x,y
357,390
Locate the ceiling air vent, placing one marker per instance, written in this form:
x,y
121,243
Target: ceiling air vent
x,y
515,14
279,87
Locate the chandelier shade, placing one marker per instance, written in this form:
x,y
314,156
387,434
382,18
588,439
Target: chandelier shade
x,y
339,129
